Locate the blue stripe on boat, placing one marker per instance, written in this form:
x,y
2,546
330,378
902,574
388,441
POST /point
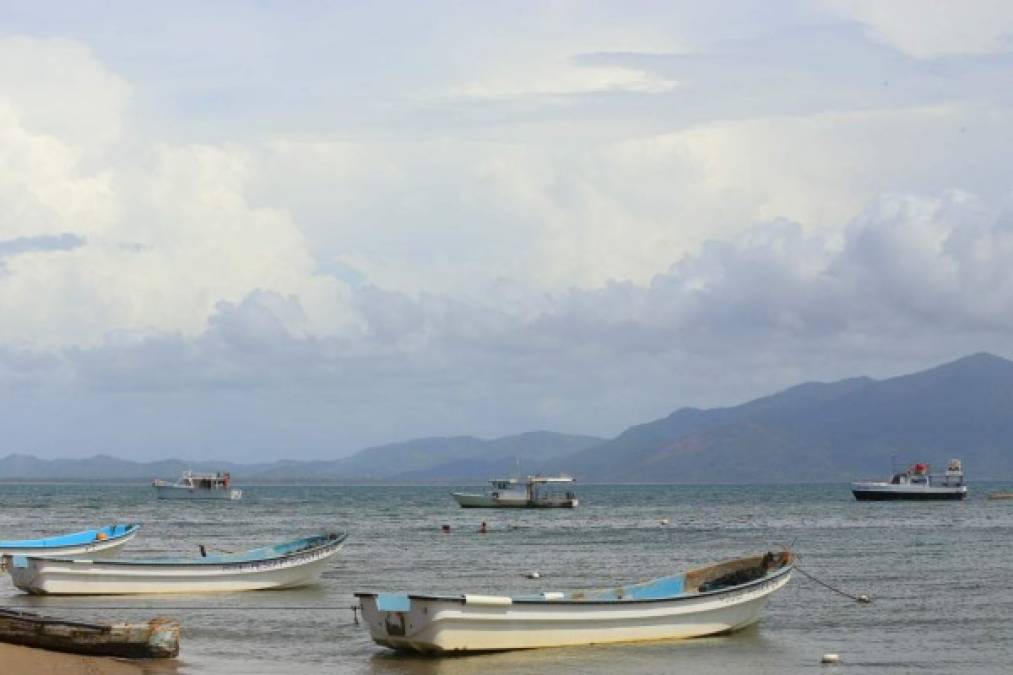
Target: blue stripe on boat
x,y
288,548
393,602
111,532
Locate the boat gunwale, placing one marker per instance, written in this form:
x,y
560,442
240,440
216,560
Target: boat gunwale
x,y
334,540
130,529
461,599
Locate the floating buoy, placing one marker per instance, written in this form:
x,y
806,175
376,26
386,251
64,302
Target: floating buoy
x,y
831,658
664,521
863,598
446,529
534,575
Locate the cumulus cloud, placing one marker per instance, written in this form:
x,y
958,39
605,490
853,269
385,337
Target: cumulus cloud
x,y
472,232
912,280
932,29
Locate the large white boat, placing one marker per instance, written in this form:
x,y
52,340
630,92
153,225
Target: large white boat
x,y
294,563
710,600
917,482
515,493
198,486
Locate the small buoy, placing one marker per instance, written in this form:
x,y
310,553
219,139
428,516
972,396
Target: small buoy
x,y
864,598
534,575
831,658
664,521
101,536
446,529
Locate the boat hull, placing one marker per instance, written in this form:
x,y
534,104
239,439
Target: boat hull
x,y
472,501
879,492
170,491
41,576
438,625
154,639
90,550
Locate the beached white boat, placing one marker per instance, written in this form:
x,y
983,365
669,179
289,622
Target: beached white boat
x,y
514,493
917,482
710,600
198,486
101,542
294,563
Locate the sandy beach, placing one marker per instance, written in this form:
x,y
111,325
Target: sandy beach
x,y
29,661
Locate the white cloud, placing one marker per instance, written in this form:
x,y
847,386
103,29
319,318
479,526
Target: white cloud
x,y
938,28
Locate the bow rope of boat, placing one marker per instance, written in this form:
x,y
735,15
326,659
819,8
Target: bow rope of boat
x,y
862,598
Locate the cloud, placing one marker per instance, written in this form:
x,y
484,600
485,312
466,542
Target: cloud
x,y
60,242
934,29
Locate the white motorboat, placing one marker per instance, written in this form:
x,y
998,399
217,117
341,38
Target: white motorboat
x,y
917,482
100,542
294,563
710,600
198,486
515,493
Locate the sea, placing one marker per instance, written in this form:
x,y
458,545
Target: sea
x,y
940,575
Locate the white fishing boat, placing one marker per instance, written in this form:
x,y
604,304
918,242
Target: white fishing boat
x,y
917,482
528,493
100,542
198,486
294,563
710,600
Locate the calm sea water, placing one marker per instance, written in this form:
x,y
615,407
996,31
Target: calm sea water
x,y
940,573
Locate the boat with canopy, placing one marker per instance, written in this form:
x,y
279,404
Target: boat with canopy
x,y
916,483
528,493
711,600
95,543
294,563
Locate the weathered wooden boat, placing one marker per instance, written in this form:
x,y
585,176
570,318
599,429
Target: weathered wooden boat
x,y
294,563
97,543
916,483
154,639
711,600
514,493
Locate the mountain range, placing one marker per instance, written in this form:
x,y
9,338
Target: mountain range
x,y
813,432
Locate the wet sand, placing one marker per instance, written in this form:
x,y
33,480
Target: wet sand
x,y
29,661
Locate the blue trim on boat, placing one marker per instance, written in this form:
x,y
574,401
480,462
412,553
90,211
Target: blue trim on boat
x,y
393,602
111,532
646,592
277,552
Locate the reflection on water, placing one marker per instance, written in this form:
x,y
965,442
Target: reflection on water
x,y
938,572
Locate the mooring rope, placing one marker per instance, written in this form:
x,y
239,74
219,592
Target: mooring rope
x,y
863,598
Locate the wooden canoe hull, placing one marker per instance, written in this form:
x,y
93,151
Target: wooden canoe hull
x,y
154,639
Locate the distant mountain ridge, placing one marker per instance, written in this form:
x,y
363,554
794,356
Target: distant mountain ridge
x,y
825,432
812,432
440,459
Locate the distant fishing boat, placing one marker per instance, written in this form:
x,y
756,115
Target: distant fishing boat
x,y
516,493
97,543
917,482
198,486
709,600
294,563
1000,495
155,639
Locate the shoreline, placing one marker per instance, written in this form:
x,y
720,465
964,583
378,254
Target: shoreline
x,y
33,661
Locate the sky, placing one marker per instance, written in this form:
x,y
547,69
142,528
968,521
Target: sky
x,y
270,230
